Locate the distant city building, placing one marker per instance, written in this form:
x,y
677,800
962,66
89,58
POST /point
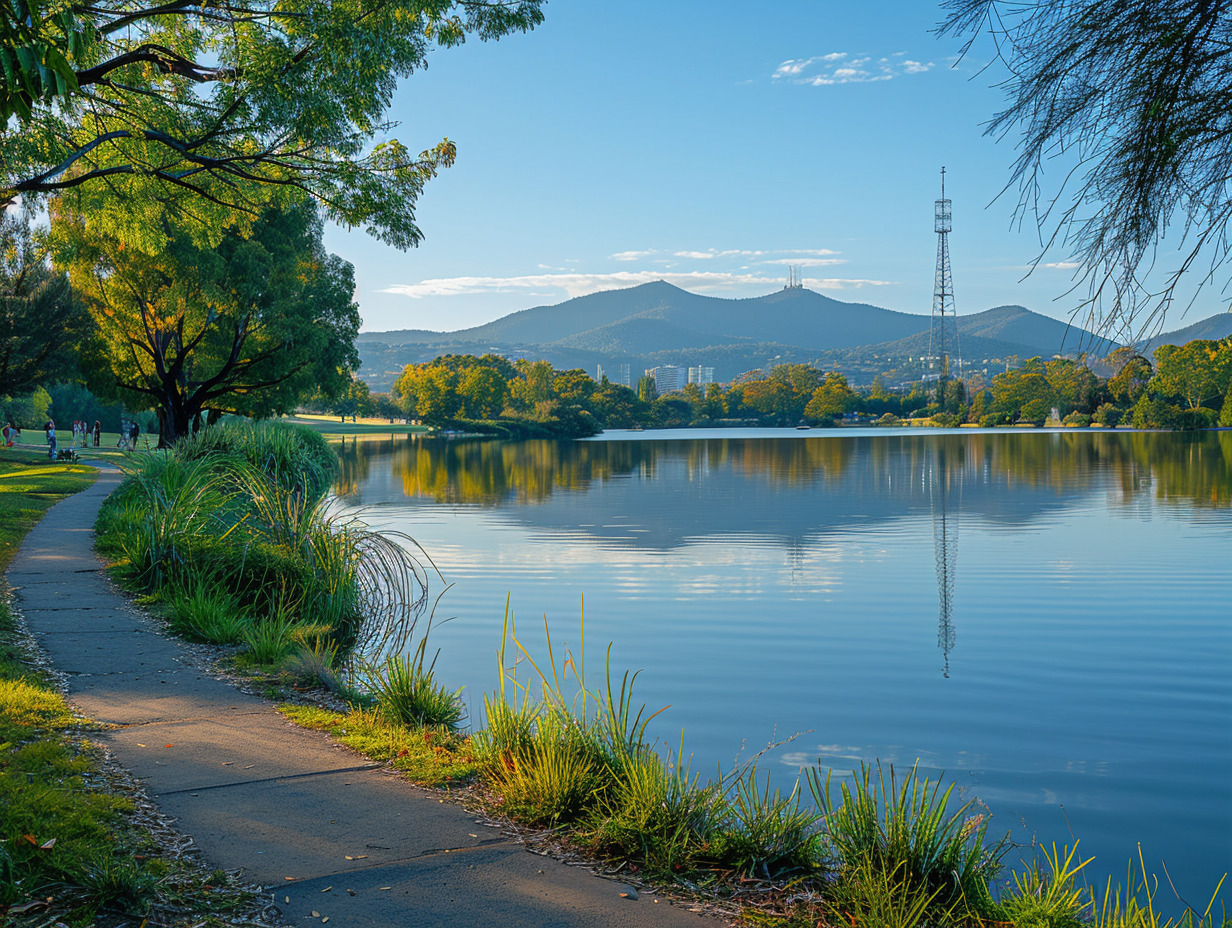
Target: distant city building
x,y
701,375
668,378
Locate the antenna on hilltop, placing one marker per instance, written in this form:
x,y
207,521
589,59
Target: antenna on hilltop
x,y
943,300
795,281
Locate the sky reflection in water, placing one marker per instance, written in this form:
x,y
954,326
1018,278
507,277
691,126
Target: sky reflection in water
x,y
770,584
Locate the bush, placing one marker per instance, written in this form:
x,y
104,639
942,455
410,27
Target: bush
x,y
1079,419
1108,415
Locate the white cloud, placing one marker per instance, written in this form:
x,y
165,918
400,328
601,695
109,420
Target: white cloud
x,y
844,68
807,262
1064,265
581,284
630,255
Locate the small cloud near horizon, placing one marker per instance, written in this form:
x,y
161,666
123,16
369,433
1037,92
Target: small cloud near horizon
x,y
846,68
576,284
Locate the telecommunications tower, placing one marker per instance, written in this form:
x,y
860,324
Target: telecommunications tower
x,y
943,303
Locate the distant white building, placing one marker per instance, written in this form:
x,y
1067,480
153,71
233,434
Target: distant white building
x,y
668,378
620,377
701,375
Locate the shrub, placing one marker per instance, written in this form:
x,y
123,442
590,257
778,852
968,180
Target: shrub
x,y
1079,419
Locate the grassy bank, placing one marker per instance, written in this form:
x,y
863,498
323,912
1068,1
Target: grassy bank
x,y
78,844
243,511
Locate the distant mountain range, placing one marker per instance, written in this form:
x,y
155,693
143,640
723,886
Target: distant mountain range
x,y
657,323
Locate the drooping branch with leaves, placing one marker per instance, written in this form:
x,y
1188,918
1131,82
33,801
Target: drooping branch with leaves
x,y
217,109
1122,114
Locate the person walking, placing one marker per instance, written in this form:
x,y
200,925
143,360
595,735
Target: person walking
x,y
51,438
98,432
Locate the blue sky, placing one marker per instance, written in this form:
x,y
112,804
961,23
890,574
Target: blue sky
x,y
708,143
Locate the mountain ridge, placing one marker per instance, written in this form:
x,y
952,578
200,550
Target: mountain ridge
x,y
646,324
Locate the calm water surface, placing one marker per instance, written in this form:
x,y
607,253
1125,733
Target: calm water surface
x,y
1045,617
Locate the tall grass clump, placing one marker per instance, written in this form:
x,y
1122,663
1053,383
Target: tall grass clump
x,y
559,752
905,830
408,693
244,508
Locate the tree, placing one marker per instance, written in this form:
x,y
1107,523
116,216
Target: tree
x,y
41,325
428,392
1198,371
1076,387
574,386
252,327
1134,95
1024,392
830,400
483,391
647,389
1132,373
217,108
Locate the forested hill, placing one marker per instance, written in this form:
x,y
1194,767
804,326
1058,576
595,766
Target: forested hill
x,y
658,323
1213,327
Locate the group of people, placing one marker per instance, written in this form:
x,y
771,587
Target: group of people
x,y
82,433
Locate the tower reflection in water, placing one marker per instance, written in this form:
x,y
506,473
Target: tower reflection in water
x,y
945,500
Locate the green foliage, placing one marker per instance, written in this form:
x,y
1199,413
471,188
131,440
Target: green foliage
x,y
408,693
191,111
29,411
1047,898
831,400
243,509
885,897
205,612
41,324
906,830
251,326
1199,372
1108,415
769,834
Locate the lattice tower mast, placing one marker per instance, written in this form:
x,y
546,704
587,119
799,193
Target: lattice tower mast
x,y
943,300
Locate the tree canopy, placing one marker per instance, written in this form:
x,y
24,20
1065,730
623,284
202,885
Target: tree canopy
x,y
251,327
211,110
41,325
1131,99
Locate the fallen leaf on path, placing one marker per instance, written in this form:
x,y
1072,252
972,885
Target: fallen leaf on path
x,y
384,887
327,889
140,745
316,914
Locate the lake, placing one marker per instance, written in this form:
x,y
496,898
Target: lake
x,y
1044,616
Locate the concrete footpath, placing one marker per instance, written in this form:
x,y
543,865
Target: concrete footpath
x,y
325,828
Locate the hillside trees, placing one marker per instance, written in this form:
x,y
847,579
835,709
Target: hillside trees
x,y
1133,97
215,110
251,327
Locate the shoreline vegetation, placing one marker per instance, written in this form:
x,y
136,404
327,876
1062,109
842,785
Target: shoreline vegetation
x,y
79,842
241,508
1184,387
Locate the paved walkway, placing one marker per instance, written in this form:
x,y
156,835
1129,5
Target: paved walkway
x,y
327,829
